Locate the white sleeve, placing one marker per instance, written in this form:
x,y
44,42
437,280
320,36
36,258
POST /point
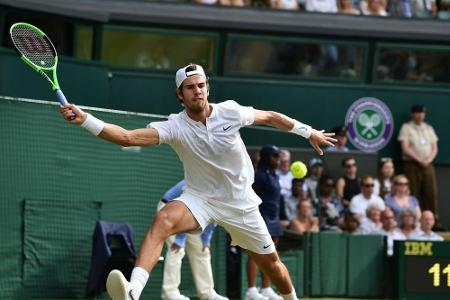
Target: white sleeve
x,y
246,114
165,131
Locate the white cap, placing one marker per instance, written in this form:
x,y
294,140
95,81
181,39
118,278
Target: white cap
x,y
187,71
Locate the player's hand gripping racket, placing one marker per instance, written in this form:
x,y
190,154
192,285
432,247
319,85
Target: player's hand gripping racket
x,y
38,52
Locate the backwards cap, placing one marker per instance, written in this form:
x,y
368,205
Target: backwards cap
x,y
188,71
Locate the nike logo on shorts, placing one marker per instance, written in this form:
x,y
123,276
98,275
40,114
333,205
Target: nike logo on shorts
x,y
226,128
266,246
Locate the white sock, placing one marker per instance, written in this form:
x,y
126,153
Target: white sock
x,y
253,289
138,279
291,296
265,289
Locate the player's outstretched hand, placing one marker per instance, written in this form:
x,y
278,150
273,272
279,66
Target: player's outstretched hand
x,y
73,114
320,137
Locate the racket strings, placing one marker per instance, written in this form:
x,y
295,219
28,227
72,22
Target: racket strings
x,y
34,46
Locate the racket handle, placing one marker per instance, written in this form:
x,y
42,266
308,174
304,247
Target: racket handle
x,y
62,99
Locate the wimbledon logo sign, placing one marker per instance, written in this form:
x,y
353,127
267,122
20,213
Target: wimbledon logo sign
x,y
369,124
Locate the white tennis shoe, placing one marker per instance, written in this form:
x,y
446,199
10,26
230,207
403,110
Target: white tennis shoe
x,y
118,287
270,293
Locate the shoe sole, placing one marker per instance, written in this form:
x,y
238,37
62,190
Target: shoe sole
x,y
115,285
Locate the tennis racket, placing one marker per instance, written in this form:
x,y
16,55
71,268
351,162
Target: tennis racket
x,y
38,52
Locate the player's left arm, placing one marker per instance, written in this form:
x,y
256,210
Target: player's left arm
x,y
281,121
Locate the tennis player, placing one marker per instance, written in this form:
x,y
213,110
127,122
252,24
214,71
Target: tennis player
x,y
218,174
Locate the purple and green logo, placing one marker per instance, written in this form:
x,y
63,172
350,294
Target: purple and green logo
x,y
369,124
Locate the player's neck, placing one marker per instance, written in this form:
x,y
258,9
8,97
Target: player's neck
x,y
200,116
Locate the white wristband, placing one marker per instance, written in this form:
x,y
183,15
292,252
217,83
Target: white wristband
x,y
93,125
301,129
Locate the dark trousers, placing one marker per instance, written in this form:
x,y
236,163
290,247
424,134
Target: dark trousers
x,y
422,183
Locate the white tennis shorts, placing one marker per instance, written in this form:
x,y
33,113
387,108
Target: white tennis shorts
x,y
246,227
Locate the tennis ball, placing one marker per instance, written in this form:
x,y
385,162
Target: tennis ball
x,y
298,169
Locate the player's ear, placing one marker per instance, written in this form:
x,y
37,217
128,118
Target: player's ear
x,y
207,87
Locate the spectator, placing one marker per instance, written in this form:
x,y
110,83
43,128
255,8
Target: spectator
x,y
341,137
323,6
400,8
231,2
372,223
351,223
311,182
361,202
305,220
383,182
407,223
389,229
284,4
291,202
346,7
424,8
284,173
331,208
374,8
419,146
348,186
196,246
267,187
400,198
426,228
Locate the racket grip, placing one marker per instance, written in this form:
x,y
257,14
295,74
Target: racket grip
x,y
62,99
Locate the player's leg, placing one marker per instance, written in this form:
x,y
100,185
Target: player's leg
x,y
248,230
271,265
172,268
175,217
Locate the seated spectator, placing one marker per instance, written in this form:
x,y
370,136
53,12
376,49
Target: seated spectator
x,y
361,202
291,202
312,181
348,185
400,8
323,6
340,135
284,4
230,2
421,8
346,7
400,198
305,220
383,182
388,229
426,228
351,223
407,223
372,223
331,208
374,8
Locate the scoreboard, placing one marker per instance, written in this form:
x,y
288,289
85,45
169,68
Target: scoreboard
x,y
423,270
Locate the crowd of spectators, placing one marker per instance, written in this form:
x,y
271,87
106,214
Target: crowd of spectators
x,y
382,8
381,203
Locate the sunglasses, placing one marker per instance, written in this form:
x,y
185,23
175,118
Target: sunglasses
x,y
369,185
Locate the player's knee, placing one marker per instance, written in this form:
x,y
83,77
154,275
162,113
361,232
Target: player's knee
x,y
163,223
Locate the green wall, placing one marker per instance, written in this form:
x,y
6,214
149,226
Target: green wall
x,y
323,105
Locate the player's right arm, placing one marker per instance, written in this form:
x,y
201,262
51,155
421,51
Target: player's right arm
x,y
111,132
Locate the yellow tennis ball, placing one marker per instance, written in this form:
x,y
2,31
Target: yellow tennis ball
x,y
298,169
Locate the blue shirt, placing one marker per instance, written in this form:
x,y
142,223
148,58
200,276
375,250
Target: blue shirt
x,y
180,240
267,187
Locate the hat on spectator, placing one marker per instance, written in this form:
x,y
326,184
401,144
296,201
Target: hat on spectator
x,y
188,71
417,108
315,162
340,130
269,150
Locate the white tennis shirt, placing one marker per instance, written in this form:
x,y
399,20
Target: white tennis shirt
x,y
216,163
